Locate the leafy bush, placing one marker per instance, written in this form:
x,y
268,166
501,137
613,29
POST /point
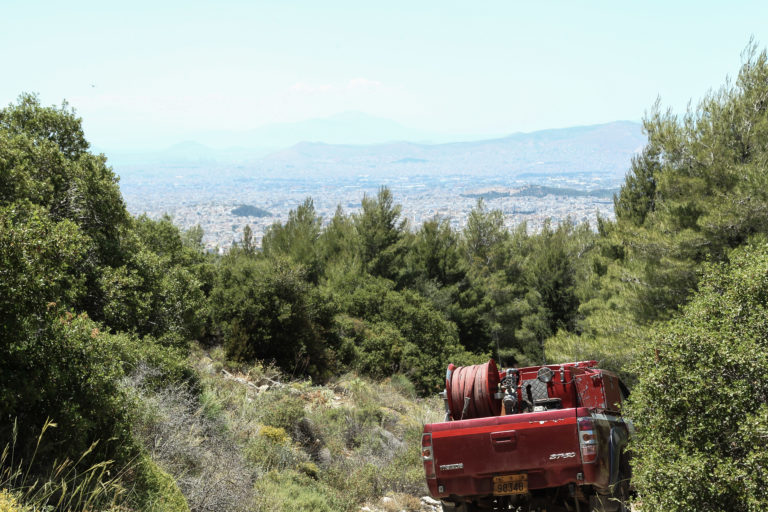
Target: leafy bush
x,y
700,404
397,332
45,160
149,296
65,370
266,310
41,262
157,490
282,411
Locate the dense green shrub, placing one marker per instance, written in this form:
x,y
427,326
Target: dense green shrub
x,y
396,331
282,411
156,490
44,159
148,297
700,404
267,310
64,369
40,262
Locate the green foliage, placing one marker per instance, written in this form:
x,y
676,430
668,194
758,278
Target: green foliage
x,y
266,309
60,126
149,297
156,290
396,331
44,159
338,244
435,253
520,288
380,234
67,485
484,236
697,190
161,237
69,255
293,491
283,412
40,262
699,405
66,370
297,238
549,269
156,489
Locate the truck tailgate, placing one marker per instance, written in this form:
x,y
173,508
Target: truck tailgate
x,y
469,453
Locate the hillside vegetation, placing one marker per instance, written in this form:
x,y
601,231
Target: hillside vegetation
x,y
140,373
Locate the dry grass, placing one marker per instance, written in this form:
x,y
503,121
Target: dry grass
x,y
253,440
68,485
182,434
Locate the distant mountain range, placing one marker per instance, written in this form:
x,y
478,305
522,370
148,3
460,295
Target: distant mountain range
x,y
343,128
604,149
542,191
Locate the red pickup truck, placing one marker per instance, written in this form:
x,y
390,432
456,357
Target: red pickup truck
x,y
539,438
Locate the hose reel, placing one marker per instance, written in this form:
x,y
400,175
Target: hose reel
x,y
479,383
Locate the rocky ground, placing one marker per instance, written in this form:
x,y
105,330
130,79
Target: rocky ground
x,y
401,503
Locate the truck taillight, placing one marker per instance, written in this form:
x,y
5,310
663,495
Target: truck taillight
x,y
427,456
587,440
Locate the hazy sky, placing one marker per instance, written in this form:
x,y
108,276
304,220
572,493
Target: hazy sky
x,y
151,73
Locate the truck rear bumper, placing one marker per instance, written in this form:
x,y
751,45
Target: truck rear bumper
x,y
474,485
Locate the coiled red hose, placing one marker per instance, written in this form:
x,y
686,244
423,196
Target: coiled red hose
x,y
480,383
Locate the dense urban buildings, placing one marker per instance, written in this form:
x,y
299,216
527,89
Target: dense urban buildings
x,y
208,197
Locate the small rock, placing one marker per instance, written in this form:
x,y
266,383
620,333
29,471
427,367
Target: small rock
x,y
430,501
386,499
392,442
324,457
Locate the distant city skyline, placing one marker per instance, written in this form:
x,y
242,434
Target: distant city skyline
x,y
146,75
